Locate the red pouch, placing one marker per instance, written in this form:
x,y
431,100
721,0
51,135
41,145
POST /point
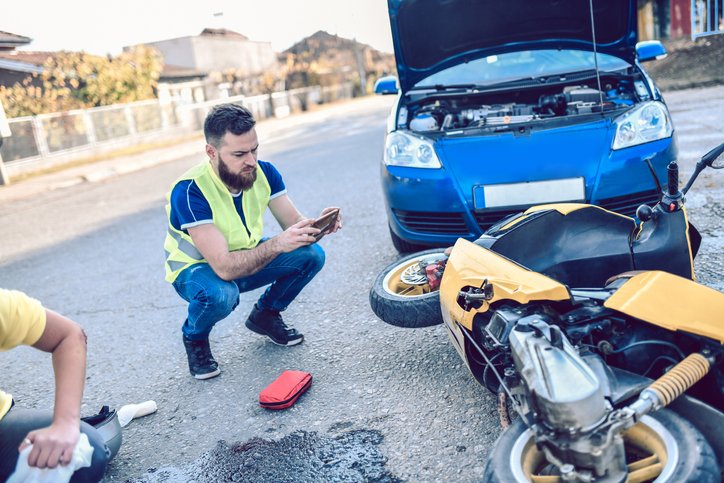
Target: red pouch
x,y
285,390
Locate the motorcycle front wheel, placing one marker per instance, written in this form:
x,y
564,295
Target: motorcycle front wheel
x,y
663,448
401,295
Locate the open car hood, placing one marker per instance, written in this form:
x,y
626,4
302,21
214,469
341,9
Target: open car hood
x,y
432,35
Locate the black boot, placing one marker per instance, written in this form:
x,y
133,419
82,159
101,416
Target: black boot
x,y
201,363
270,323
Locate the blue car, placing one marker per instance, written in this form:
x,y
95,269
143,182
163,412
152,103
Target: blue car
x,y
505,105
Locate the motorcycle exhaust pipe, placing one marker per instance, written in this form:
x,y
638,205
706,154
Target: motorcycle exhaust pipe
x,y
671,385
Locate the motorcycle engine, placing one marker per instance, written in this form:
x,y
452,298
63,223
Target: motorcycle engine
x,y
564,398
565,390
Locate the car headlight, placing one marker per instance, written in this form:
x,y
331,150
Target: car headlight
x,y
647,122
403,149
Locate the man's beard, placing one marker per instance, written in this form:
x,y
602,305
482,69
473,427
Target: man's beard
x,y
235,181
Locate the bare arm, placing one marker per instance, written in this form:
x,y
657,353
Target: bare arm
x,y
230,265
284,211
67,343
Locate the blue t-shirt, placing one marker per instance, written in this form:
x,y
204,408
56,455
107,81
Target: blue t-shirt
x,y
189,207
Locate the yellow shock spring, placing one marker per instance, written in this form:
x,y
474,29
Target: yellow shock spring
x,y
684,375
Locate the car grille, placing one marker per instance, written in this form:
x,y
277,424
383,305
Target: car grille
x,y
486,219
626,205
454,223
427,222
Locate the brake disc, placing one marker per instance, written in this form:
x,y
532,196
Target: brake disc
x,y
414,275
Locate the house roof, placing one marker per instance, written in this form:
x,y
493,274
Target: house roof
x,y
27,62
223,33
28,57
11,41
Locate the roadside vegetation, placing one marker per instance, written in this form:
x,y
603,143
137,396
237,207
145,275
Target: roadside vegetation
x,y
78,80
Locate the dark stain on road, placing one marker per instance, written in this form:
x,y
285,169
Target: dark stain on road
x,y
351,456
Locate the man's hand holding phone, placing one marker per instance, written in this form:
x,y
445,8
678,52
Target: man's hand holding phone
x,y
329,221
308,230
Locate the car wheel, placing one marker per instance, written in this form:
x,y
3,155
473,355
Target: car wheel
x,y
400,300
403,246
680,452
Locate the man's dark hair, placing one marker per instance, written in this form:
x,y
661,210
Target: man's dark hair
x,y
227,118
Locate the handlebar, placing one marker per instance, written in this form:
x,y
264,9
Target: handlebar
x,y
673,171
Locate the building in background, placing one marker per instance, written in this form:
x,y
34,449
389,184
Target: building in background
x,y
672,19
217,50
216,63
16,66
654,19
10,41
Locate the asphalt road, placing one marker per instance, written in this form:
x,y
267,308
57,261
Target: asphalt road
x,y
387,404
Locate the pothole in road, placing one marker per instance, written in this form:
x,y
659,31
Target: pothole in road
x,y
301,456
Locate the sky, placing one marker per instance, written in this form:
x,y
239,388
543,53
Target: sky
x,y
105,27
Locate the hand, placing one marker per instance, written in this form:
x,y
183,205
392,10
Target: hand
x,y
298,235
53,445
338,222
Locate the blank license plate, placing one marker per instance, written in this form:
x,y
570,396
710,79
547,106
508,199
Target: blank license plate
x,y
533,193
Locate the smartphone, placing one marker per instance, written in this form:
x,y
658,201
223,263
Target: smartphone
x,y
325,223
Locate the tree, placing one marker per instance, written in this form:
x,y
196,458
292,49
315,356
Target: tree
x,y
76,80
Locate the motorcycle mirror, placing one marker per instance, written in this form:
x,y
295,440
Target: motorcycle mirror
x,y
715,157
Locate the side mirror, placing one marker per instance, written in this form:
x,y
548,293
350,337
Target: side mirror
x,y
715,157
386,85
650,50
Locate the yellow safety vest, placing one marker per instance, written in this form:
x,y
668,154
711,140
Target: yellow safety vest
x,y
180,250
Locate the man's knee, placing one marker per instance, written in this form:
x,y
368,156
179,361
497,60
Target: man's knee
x,y
314,258
222,297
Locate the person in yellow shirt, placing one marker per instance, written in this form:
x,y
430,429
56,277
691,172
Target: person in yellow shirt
x,y
24,321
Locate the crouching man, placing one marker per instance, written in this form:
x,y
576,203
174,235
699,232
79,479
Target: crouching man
x,y
214,245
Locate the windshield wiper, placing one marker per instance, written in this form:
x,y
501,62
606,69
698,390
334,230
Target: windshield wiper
x,y
543,79
444,87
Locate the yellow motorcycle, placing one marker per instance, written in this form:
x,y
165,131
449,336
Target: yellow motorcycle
x,y
592,330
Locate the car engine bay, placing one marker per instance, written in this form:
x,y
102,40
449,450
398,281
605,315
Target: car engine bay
x,y
448,111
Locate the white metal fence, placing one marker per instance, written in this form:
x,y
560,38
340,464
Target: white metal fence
x,y
706,18
37,140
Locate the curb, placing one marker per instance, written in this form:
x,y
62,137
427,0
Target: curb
x,y
94,172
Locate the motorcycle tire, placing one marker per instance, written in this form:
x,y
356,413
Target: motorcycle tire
x,y
401,310
696,461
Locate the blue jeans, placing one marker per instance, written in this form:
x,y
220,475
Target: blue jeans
x,y
212,299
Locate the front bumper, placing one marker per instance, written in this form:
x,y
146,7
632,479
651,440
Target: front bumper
x,y
428,206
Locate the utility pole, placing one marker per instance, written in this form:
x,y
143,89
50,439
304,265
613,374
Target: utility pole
x,y
360,68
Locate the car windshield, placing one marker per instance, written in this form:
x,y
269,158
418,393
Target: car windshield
x,y
526,64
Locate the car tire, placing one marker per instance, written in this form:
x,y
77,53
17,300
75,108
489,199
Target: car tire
x,y
696,461
403,246
410,311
